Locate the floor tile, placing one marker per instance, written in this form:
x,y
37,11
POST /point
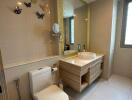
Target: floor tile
x,y
94,97
116,88
130,95
120,83
110,93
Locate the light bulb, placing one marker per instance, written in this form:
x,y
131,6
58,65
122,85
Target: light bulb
x,y
19,3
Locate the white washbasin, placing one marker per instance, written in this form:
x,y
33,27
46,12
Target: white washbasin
x,y
86,55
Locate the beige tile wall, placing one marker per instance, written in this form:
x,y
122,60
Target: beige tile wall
x,y
21,72
24,37
26,43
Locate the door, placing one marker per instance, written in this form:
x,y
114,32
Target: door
x,y
2,81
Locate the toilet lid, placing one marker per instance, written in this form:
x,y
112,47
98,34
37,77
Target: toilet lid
x,y
51,93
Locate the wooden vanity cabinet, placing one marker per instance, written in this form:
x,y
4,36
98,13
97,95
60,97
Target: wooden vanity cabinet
x,y
70,75
79,77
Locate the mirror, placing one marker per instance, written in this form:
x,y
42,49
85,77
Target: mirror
x,y
76,25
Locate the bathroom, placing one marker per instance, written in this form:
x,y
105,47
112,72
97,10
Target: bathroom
x,y
33,36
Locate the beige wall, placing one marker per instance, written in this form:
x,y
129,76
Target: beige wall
x,y
24,37
26,43
122,56
101,31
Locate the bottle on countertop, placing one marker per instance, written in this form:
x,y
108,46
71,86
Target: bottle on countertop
x,y
79,47
84,48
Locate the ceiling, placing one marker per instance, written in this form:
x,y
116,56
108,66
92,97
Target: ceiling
x,y
70,5
88,1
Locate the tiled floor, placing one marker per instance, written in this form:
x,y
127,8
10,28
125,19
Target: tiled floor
x,y
116,88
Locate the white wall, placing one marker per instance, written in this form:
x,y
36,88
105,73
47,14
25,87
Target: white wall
x,y
68,8
113,36
122,56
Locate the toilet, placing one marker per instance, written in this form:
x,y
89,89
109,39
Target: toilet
x,y
42,87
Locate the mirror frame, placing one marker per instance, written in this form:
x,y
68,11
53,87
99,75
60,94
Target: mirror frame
x,y
60,22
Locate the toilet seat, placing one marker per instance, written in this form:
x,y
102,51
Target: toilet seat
x,y
52,92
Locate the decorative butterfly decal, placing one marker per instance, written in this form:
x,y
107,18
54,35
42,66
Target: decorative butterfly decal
x,y
40,15
28,4
17,10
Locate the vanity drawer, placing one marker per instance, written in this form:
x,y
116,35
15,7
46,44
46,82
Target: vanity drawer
x,y
94,72
73,69
85,69
93,64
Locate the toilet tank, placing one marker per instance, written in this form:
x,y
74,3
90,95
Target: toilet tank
x,y
40,79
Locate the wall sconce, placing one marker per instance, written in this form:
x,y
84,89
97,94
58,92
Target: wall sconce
x,y
18,10
56,30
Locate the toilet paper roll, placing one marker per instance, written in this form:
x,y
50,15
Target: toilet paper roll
x,y
54,69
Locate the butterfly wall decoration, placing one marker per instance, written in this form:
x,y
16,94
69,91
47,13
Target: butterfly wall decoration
x,y
17,10
40,15
28,5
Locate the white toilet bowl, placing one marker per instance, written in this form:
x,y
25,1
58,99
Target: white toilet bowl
x,y
52,92
42,87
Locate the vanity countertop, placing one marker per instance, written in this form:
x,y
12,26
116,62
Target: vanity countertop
x,y
75,60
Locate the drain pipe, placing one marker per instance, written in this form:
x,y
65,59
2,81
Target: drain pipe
x,y
17,83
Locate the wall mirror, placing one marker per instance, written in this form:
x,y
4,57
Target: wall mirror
x,y
76,25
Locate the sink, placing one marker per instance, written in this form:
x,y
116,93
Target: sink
x,y
86,55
